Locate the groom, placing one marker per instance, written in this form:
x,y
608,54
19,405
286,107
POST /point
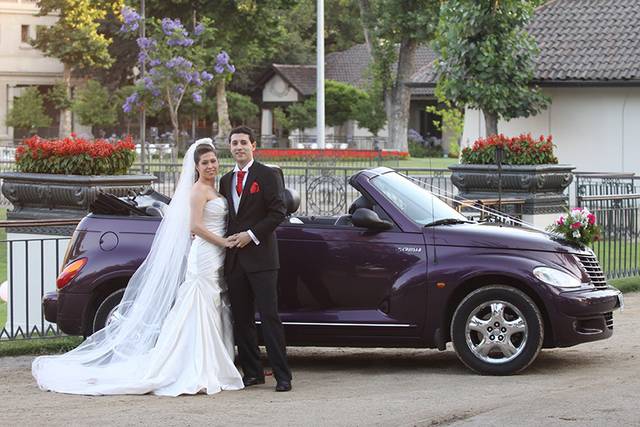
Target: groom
x,y
256,207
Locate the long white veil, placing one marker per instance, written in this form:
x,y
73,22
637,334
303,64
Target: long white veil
x,y
117,353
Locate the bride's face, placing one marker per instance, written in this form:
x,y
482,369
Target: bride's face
x,y
207,166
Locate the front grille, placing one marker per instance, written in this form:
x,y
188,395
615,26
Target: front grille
x,y
608,318
592,267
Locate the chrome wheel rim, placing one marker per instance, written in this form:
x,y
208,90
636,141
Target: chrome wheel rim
x,y
113,316
496,332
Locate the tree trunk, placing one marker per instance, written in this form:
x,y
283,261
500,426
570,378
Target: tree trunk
x,y
365,18
64,129
398,113
490,123
224,125
176,134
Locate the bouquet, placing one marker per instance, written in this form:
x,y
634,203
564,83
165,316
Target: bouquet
x,y
578,226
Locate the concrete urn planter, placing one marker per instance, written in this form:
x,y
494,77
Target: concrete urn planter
x,y
541,187
50,196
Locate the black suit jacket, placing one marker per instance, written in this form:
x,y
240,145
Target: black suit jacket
x,y
261,212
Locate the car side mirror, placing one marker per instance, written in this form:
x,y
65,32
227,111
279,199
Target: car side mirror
x,y
367,218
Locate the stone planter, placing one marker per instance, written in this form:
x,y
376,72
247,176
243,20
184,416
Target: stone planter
x,y
49,196
541,187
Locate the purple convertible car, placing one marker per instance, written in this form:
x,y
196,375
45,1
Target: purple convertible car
x,y
400,269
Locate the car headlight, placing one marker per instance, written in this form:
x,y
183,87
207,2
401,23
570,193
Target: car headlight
x,y
556,277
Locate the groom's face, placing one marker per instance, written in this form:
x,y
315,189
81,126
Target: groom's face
x,y
242,148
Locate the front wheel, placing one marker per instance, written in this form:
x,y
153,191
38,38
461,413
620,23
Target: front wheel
x,y
497,330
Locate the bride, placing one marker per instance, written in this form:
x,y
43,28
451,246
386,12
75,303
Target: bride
x,y
172,332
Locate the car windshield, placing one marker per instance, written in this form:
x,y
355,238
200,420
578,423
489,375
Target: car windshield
x,y
414,201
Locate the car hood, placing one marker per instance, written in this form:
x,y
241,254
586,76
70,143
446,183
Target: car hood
x,y
498,237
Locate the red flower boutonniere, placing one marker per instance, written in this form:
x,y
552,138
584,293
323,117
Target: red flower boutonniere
x,y
255,188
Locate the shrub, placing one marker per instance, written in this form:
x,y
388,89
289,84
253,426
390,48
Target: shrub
x,y
75,156
519,150
308,154
28,111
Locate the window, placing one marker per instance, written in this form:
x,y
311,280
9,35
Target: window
x,y
24,35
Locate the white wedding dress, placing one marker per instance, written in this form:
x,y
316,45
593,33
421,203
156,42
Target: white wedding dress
x,y
187,349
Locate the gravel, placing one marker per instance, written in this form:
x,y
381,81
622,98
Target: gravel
x,y
592,384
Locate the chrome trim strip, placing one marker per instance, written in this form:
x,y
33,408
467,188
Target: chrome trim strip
x,y
386,325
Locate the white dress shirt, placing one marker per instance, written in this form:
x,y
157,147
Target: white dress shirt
x,y
234,193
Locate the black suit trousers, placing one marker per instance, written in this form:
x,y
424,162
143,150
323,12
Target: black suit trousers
x,y
249,291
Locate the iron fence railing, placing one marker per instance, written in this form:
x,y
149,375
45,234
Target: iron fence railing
x,y
618,216
31,259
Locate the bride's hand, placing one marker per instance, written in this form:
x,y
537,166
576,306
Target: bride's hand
x,y
230,242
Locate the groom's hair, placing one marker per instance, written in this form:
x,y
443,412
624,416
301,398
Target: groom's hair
x,y
243,129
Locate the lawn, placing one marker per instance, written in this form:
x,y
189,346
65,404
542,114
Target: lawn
x,y
615,255
627,284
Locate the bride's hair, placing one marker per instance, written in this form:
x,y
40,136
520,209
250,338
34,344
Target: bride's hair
x,y
197,154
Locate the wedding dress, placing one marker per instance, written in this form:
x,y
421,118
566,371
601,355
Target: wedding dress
x,y
167,338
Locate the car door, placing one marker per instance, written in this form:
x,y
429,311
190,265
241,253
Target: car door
x,y
344,282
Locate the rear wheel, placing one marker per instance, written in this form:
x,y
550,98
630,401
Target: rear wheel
x,y
107,310
497,330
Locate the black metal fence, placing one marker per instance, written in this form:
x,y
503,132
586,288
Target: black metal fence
x,y
31,259
615,200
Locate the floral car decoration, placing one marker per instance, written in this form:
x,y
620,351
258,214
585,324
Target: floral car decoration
x,y
578,226
75,156
518,150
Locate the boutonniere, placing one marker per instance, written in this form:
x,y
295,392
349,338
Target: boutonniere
x,y
255,188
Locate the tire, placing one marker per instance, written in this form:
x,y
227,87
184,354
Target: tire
x,y
106,309
503,351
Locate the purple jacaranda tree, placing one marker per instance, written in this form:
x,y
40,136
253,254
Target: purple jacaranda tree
x,y
176,66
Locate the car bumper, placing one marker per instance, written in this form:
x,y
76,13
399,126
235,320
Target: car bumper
x,y
58,308
584,316
50,307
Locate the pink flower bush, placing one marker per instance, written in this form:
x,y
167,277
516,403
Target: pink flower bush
x,y
578,226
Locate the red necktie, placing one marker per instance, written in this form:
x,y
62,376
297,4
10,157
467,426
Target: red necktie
x,y
239,178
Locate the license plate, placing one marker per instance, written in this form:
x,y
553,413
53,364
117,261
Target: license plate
x,y
621,301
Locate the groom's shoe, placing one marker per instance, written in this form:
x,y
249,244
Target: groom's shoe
x,y
283,386
249,381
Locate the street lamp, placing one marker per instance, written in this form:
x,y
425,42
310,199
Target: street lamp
x,y
320,75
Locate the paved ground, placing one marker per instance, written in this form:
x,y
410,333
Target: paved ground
x,y
594,384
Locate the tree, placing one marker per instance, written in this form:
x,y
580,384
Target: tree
x,y
28,111
74,39
241,108
370,114
487,58
393,30
302,115
341,100
176,65
94,105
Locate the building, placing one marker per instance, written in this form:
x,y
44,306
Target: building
x,y
589,65
284,84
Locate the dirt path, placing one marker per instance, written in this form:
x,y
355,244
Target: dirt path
x,y
593,384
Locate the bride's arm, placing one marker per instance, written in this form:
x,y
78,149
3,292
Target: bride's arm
x,y
198,200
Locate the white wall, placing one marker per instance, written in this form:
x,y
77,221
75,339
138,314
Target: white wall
x,y
278,90
21,64
595,129
33,265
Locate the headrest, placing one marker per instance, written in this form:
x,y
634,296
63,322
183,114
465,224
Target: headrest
x,y
291,200
360,202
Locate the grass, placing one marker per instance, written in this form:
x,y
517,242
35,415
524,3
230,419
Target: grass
x,y
21,347
627,284
616,255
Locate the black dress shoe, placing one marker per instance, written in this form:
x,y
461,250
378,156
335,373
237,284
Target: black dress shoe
x,y
249,381
283,386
